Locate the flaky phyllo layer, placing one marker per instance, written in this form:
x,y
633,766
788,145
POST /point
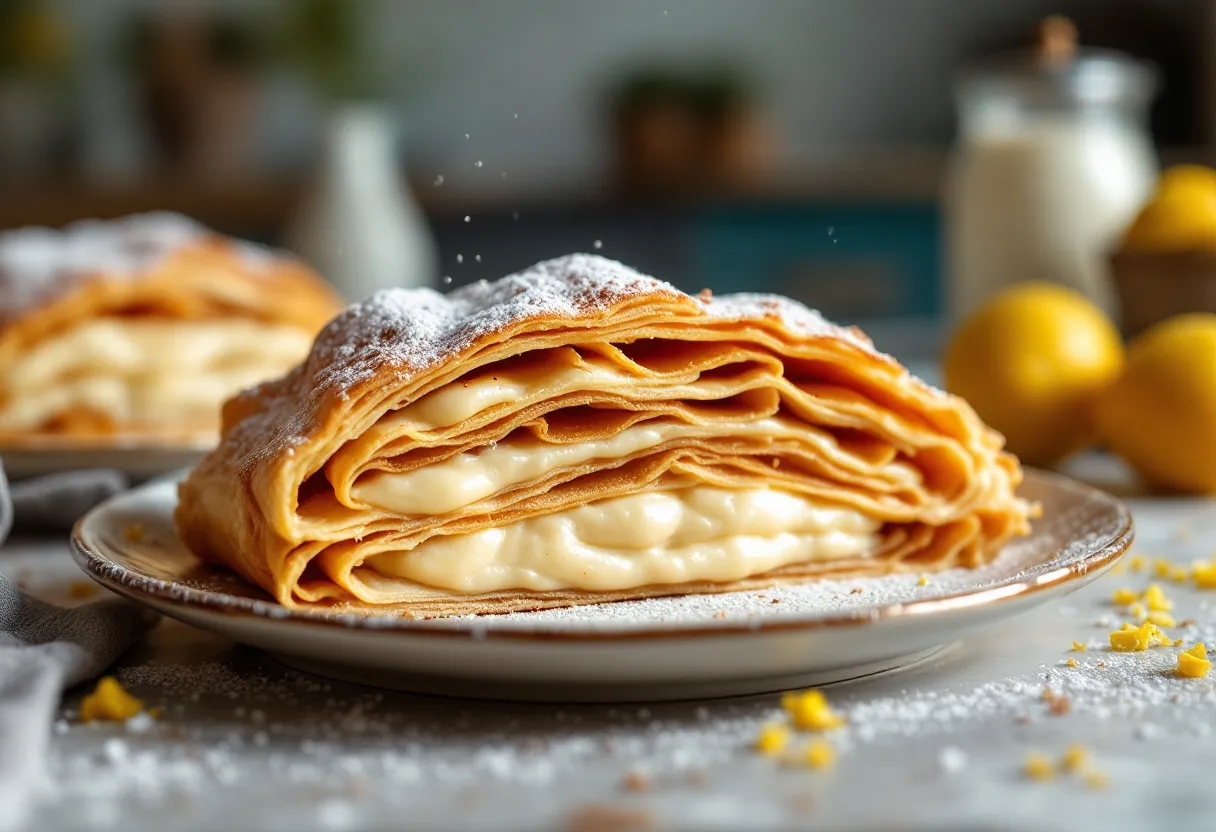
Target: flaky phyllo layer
x,y
579,432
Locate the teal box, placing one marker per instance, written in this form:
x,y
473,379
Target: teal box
x,y
852,262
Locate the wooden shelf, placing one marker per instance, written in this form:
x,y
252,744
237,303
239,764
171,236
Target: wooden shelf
x,y
265,205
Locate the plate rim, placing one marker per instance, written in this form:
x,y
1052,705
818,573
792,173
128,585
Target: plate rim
x,y
129,583
52,444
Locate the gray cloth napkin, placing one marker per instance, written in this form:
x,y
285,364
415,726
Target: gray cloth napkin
x,y
44,648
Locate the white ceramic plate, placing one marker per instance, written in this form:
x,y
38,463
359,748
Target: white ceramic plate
x,y
665,648
137,457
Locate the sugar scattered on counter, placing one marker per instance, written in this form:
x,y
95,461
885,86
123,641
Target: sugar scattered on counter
x,y
952,759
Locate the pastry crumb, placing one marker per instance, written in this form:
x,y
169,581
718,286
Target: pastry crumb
x,y
82,589
597,817
636,781
134,532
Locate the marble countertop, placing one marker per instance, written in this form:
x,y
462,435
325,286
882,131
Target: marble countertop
x,y
245,743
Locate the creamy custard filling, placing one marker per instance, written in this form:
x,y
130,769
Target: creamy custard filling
x,y
145,370
467,477
703,533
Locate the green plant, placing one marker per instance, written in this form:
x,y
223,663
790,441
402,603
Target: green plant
x,y
323,37
32,39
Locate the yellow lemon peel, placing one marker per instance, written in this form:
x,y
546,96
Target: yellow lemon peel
x,y
1193,663
819,755
1204,575
1074,758
772,739
1134,639
1161,619
1038,766
810,711
109,702
1155,598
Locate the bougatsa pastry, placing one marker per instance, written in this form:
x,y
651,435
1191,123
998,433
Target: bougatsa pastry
x,y
143,326
579,433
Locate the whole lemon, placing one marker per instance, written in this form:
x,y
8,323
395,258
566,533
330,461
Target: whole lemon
x,y
1160,415
1031,363
1181,216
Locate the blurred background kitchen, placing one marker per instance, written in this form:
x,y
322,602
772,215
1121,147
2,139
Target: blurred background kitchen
x,y
824,149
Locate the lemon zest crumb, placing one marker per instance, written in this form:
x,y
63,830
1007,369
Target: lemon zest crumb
x,y
1075,756
1162,567
772,739
1161,619
923,580
1124,596
1179,574
109,702
1096,780
820,755
1072,662
1193,663
1155,598
1038,766
810,711
1133,639
1204,574
1078,647
1137,562
1138,611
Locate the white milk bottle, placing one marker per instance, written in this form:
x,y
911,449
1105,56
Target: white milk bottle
x,y
1052,161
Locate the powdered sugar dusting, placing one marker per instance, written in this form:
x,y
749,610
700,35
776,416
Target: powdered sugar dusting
x,y
36,264
411,331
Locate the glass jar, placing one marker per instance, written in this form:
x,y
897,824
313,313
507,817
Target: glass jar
x,y
1052,161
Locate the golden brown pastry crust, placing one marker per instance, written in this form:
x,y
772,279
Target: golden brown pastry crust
x,y
156,267
274,501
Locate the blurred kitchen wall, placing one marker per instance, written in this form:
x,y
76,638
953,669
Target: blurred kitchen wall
x,y
526,78
508,134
